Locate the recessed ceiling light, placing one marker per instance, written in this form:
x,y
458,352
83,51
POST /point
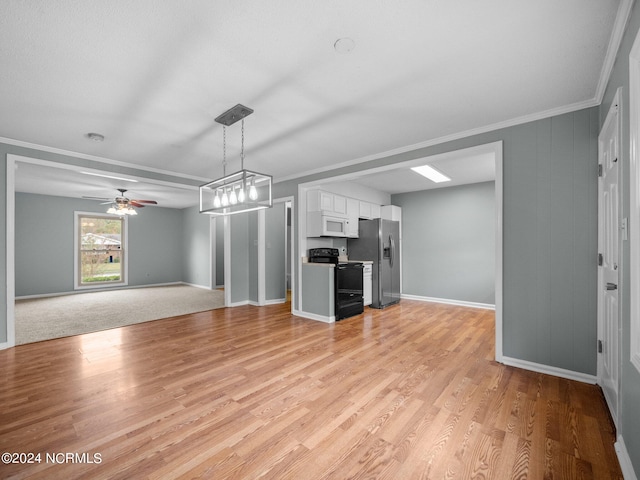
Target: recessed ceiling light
x,y
344,45
96,137
431,173
110,176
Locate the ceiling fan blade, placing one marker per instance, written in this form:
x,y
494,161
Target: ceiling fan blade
x,y
151,202
97,198
135,203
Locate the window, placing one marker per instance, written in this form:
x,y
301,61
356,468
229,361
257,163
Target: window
x,y
100,250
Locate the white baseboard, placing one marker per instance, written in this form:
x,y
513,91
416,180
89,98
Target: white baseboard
x,y
460,303
5,345
126,287
275,301
555,371
314,316
242,303
204,287
625,461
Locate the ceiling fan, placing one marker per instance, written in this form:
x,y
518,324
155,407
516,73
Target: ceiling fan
x,y
121,205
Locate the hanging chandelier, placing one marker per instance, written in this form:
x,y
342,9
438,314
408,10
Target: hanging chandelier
x,y
242,191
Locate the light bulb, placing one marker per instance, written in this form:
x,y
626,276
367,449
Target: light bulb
x,y
111,210
225,198
233,198
216,200
132,211
253,191
241,195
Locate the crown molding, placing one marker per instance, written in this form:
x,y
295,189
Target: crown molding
x,y
449,138
94,158
619,26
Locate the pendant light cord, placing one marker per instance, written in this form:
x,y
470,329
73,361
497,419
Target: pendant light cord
x,y
242,146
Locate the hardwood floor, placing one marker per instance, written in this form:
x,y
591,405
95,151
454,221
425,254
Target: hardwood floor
x,y
402,393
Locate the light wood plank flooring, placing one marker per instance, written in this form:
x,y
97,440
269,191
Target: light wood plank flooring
x,y
408,392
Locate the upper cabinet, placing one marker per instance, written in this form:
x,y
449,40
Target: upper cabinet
x,y
353,213
333,215
327,203
368,210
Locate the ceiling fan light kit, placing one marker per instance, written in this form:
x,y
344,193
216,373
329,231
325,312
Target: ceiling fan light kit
x,y
122,205
242,191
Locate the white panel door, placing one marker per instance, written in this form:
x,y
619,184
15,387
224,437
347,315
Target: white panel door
x,y
609,272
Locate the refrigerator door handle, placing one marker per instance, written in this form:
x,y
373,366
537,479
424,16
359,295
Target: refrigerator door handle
x,y
392,249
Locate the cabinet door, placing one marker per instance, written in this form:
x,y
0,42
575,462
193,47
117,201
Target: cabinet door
x,y
326,201
339,204
375,211
365,210
353,210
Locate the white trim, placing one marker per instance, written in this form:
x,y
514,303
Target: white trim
x,y
448,138
290,200
107,161
241,303
227,262
107,289
625,461
262,262
634,201
275,301
10,252
622,17
549,370
76,250
315,316
78,169
499,200
212,251
447,301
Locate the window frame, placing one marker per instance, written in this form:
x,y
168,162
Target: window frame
x,y
124,249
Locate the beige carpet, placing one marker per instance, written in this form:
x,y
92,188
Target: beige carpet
x,y
63,316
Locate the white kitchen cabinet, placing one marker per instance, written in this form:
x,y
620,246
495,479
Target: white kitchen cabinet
x,y
367,284
375,210
327,203
369,210
353,211
391,212
339,204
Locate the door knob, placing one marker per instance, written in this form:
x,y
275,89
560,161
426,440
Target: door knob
x,y
611,286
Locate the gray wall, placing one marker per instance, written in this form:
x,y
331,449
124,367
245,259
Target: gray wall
x,y
239,245
196,247
630,377
448,242
44,237
219,251
549,234
276,243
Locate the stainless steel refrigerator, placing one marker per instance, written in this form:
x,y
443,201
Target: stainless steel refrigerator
x,y
379,241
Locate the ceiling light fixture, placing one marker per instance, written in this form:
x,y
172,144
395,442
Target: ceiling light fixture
x,y
242,191
121,209
431,173
344,45
95,137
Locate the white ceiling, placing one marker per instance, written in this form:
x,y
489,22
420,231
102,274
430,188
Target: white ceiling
x,y
151,76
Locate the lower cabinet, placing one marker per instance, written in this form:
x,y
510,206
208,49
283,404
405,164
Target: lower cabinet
x,y
367,284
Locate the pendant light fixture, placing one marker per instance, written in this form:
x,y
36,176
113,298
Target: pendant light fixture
x,y
242,191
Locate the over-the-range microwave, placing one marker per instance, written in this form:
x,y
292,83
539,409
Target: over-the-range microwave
x,y
322,225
